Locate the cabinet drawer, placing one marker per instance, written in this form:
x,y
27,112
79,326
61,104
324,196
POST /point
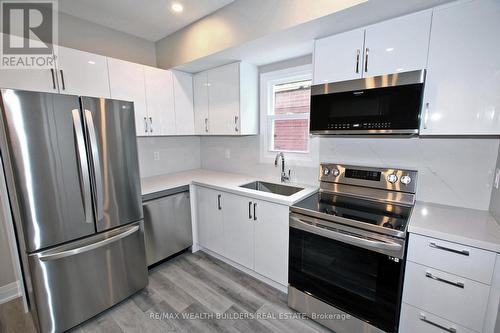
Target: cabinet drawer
x,y
454,298
414,320
458,259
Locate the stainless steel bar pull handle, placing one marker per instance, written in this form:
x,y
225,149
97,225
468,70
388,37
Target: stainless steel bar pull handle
x,y
206,125
255,212
456,284
83,166
447,329
53,79
358,51
219,201
236,124
62,79
96,164
426,115
444,248
151,124
145,124
366,59
250,210
89,247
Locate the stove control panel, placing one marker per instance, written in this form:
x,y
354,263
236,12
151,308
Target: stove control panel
x,y
382,178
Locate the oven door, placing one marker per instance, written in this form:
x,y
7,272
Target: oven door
x,y
337,266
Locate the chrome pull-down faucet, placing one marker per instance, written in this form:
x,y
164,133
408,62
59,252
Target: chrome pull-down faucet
x,y
285,178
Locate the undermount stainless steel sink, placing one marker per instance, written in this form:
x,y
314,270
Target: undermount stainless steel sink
x,y
285,190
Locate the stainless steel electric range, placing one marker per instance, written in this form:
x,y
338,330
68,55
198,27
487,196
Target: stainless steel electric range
x,y
347,248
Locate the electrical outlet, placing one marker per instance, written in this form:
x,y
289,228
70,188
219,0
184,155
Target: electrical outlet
x,y
497,178
227,154
156,155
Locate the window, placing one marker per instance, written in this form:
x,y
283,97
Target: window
x,y
284,116
289,117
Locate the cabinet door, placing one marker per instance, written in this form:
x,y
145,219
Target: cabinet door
x,y
271,241
126,82
183,99
200,97
462,84
338,57
42,80
224,99
238,229
398,45
82,73
159,101
210,221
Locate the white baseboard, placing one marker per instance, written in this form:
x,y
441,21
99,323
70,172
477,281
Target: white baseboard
x,y
9,292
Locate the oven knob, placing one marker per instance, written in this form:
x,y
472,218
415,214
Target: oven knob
x,y
335,172
326,171
406,180
392,178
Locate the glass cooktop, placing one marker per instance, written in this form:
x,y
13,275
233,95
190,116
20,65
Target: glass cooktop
x,y
385,215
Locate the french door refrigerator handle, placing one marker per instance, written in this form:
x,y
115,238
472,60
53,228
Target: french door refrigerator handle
x,y
83,166
338,235
88,247
96,164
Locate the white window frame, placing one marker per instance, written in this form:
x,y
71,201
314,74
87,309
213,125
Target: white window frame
x,y
267,81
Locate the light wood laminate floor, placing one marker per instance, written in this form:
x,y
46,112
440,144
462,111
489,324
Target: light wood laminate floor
x,y
194,285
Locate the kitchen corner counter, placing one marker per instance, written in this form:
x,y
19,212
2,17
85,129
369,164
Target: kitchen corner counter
x,y
466,226
228,182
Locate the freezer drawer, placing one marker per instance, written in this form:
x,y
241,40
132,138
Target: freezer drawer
x,y
76,281
167,225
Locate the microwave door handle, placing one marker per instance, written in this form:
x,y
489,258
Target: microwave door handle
x,y
297,223
96,164
83,169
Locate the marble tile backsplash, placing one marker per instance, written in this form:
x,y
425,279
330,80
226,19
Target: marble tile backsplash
x,y
452,171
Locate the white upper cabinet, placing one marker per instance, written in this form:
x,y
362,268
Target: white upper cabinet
x,y
28,79
126,82
183,99
463,82
82,73
200,99
159,101
398,45
226,100
339,57
393,46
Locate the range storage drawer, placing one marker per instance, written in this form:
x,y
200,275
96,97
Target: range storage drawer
x,y
452,297
414,320
167,225
465,261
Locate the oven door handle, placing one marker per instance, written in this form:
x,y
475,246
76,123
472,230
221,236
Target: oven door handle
x,y
297,223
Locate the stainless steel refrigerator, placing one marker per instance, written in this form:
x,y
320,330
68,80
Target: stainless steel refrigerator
x,y
73,180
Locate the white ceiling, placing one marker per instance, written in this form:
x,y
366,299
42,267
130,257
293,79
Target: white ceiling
x,y
148,19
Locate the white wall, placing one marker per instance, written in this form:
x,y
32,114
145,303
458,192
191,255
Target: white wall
x,y
176,154
495,200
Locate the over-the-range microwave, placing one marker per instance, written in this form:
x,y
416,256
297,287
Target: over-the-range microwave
x,y
388,104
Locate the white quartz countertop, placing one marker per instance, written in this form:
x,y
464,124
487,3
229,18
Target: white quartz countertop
x,y
476,228
228,182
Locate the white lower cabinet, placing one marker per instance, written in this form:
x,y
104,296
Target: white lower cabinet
x,y
238,229
414,320
252,233
210,224
447,286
